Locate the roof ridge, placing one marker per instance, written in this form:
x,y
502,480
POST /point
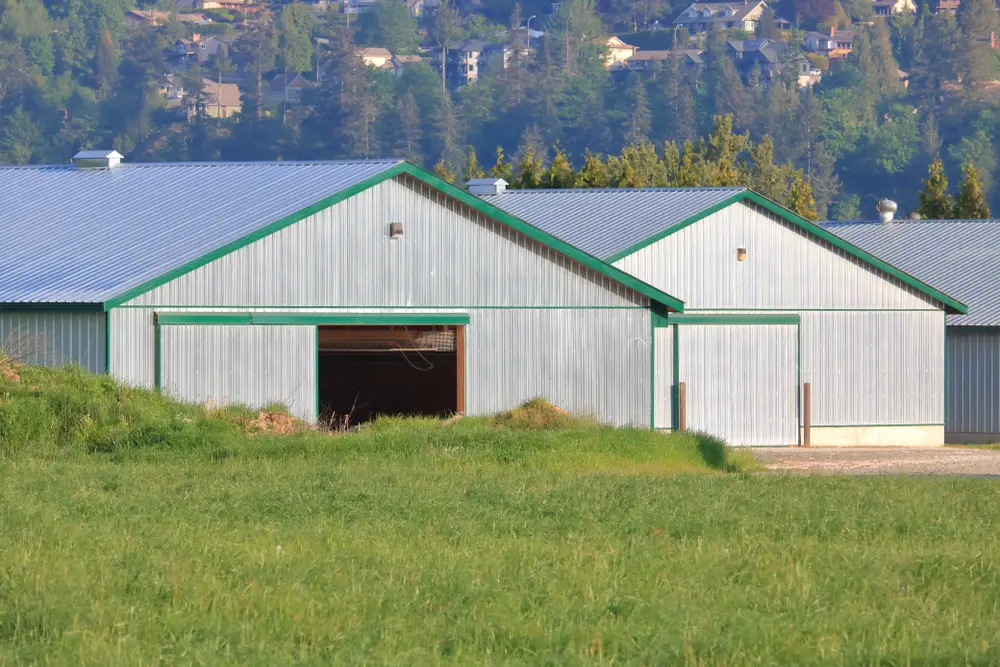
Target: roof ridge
x,y
719,188
906,221
248,163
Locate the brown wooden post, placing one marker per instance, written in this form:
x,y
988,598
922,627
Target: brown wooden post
x,y
460,363
682,404
806,414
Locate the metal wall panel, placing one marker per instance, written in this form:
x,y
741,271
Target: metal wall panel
x,y
973,358
449,255
663,377
247,365
874,368
587,361
56,338
742,382
784,268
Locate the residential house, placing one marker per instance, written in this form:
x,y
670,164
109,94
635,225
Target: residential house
x,y
708,16
946,6
648,61
243,6
359,6
466,60
400,63
618,53
141,18
172,90
287,88
890,7
416,7
208,48
768,57
220,100
375,56
835,44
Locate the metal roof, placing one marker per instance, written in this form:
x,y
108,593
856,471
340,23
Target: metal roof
x,y
960,257
87,235
607,222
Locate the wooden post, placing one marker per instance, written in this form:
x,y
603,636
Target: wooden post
x,y
682,404
460,364
806,414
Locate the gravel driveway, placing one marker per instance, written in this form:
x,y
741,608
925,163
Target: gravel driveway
x,y
881,460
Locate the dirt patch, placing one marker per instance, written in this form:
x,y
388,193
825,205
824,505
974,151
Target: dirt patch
x,y
539,414
277,422
881,461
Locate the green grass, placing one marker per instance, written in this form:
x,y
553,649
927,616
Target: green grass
x,y
417,543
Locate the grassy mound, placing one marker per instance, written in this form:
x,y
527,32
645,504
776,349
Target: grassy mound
x,y
67,410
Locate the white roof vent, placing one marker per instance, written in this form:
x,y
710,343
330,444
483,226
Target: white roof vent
x,y
486,186
100,159
886,210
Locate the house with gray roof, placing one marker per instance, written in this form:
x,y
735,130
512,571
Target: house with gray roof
x,y
790,334
709,16
339,289
962,257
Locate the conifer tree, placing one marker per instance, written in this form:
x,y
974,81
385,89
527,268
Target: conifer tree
x,y
642,120
560,173
444,172
594,173
502,168
529,171
971,201
472,168
935,202
800,197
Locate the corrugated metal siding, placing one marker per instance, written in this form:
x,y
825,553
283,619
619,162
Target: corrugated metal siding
x,y
973,380
874,368
741,382
248,365
449,255
588,361
593,219
56,338
784,269
663,378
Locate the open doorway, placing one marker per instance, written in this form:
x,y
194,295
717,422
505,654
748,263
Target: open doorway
x,y
367,371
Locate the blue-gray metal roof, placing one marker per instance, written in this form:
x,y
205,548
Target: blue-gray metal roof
x,y
959,257
87,235
606,223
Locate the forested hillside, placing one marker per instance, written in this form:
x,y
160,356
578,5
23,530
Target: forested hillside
x,y
915,87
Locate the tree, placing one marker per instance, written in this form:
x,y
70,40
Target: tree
x,y
766,28
408,130
296,37
576,28
472,168
970,203
391,25
560,173
641,121
260,47
594,173
19,138
935,202
502,168
886,67
447,30
800,198
107,62
444,172
930,139
529,172
824,180
846,207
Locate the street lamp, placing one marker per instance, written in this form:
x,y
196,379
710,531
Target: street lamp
x,y
528,28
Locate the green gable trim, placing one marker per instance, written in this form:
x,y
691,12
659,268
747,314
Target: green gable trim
x,y
734,319
951,305
687,222
264,319
442,186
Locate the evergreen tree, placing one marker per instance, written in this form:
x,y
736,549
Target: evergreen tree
x,y
447,133
447,31
970,203
390,25
576,28
732,98
824,180
763,175
560,173
529,172
444,172
296,38
723,152
19,138
800,198
594,173
472,168
935,202
408,130
886,67
502,168
930,139
641,121
766,28
107,62
864,72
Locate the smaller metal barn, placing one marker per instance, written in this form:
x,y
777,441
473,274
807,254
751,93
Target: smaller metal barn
x,y
340,289
789,333
961,257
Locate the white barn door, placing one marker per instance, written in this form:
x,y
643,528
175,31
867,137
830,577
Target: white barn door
x,y
741,381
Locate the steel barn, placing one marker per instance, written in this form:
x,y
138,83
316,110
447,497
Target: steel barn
x,y
336,288
773,304
963,257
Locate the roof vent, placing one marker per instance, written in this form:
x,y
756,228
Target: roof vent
x,y
886,210
486,186
97,159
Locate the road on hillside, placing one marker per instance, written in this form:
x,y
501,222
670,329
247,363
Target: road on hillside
x,y
880,460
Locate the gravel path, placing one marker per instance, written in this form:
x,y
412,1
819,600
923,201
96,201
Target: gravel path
x,y
881,460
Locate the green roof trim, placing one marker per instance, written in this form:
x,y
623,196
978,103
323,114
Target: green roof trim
x,y
951,304
313,319
734,318
442,186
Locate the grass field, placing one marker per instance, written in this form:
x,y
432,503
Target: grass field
x,y
176,538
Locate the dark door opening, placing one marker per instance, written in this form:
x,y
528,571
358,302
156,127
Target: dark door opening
x,y
367,371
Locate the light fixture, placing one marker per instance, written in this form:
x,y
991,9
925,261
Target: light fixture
x,y
395,230
741,254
